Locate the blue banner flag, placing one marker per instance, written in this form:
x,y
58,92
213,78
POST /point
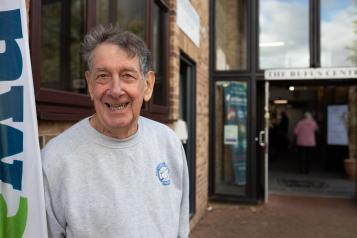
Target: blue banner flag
x,y
22,209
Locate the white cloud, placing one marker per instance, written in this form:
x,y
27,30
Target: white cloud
x,y
288,22
337,34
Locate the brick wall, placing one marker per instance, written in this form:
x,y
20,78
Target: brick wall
x,y
49,129
179,41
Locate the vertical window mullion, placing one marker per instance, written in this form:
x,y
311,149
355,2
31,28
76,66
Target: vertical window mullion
x,y
314,33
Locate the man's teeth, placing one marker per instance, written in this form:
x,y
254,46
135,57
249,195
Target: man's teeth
x,y
116,106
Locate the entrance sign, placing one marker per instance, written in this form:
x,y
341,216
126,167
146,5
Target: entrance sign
x,y
22,210
311,73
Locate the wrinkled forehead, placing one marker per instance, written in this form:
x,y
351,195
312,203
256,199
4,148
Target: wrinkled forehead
x,y
108,53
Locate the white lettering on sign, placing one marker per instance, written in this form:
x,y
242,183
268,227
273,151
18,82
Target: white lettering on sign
x,y
311,73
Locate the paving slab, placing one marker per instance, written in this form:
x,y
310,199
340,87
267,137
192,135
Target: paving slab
x,y
281,217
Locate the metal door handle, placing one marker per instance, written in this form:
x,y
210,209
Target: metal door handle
x,y
261,140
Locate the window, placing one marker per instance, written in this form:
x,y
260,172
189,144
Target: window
x,y
158,52
230,137
159,36
284,34
62,31
230,35
338,33
57,29
129,15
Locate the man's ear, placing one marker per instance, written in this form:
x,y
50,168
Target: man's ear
x,y
89,85
150,81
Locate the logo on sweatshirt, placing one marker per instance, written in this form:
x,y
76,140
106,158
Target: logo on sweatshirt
x,y
163,173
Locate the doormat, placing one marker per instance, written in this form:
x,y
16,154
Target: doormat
x,y
311,186
302,183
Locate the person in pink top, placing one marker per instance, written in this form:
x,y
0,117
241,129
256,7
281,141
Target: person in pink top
x,y
305,140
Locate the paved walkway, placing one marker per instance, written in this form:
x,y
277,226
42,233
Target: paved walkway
x,y
281,217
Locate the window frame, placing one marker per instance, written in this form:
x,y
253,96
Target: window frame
x,y
152,110
53,104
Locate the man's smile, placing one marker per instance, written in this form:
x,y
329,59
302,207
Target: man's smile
x,y
116,106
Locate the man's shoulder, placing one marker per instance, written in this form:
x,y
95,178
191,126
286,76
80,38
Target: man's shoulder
x,y
158,130
157,127
67,141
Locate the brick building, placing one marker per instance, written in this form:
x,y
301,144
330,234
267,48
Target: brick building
x,y
214,62
275,59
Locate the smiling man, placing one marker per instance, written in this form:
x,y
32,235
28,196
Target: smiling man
x,y
116,174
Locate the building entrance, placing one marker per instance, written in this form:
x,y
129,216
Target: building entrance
x,y
311,133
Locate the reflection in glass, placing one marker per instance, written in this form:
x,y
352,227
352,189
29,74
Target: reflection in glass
x,y
157,55
231,138
230,35
62,31
129,15
284,34
338,33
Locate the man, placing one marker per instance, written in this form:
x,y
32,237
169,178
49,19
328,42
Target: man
x,y
116,174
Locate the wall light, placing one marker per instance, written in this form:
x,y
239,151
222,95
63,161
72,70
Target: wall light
x,y
280,101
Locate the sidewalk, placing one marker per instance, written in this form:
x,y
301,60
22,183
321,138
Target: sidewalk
x,y
281,217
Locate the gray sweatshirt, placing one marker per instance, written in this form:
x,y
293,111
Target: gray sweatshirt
x,y
98,186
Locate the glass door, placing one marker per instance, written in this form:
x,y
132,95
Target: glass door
x,y
231,122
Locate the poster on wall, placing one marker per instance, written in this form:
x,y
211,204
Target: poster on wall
x,y
235,98
231,135
337,131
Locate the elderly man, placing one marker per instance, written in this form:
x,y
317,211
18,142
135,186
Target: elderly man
x,y
116,174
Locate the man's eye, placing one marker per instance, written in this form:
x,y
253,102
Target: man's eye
x,y
102,75
102,78
127,76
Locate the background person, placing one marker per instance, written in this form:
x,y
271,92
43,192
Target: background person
x,y
305,140
282,132
116,174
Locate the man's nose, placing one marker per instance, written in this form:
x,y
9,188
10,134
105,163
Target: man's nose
x,y
116,87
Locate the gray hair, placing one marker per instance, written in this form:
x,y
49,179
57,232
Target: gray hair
x,y
131,43
308,115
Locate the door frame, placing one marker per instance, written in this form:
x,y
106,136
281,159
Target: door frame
x,y
265,123
188,95
262,138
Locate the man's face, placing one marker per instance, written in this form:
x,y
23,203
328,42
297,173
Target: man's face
x,y
117,88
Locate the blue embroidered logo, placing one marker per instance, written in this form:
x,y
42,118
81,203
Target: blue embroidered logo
x,y
162,172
